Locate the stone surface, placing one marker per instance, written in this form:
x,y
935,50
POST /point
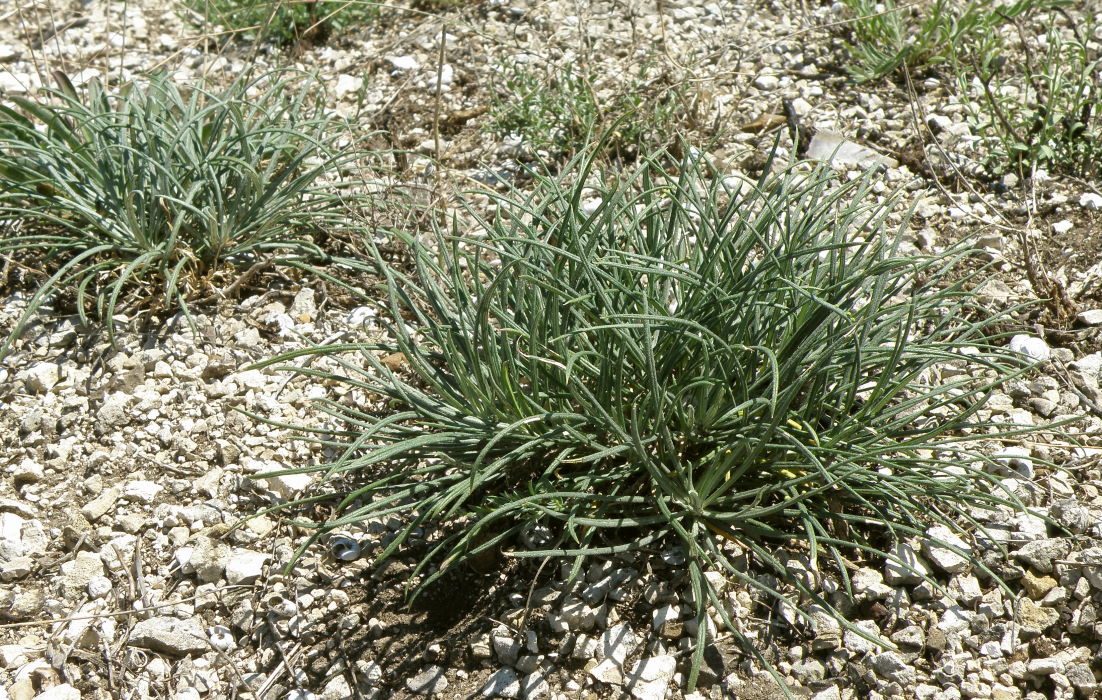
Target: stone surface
x,y
429,681
170,635
938,549
502,683
910,567
1034,619
650,677
245,566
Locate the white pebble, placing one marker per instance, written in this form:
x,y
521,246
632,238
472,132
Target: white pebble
x,y
99,587
221,638
1031,346
1090,200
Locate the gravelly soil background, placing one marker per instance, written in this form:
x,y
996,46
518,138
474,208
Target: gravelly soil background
x,y
125,467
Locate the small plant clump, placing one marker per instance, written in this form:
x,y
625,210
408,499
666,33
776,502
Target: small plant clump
x,y
888,37
737,369
152,193
1043,111
285,21
559,113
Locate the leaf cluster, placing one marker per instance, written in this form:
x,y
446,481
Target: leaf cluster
x,y
736,368
153,189
286,21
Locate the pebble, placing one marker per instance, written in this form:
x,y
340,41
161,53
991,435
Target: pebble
x,y
141,490
858,644
12,655
767,82
245,566
616,643
337,688
650,677
99,587
507,650
502,683
534,686
221,638
910,567
955,619
937,550
41,377
207,559
1034,619
403,63
1090,200
1040,554
1031,346
78,572
1089,317
169,635
59,692
429,681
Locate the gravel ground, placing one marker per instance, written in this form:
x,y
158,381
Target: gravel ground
x,y
125,467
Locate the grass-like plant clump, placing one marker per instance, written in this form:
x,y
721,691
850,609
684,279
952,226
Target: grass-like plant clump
x,y
1045,110
749,369
560,111
285,21
156,194
889,36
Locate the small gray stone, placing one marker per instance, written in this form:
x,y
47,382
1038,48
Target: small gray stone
x,y
858,644
909,569
100,505
430,680
1028,527
578,616
937,552
827,629
170,635
16,568
616,643
527,663
141,490
650,677
910,638
1045,667
1090,200
1014,461
1034,619
337,689
1039,554
114,412
41,377
808,671
891,666
503,683
208,558
955,619
608,672
534,686
1031,346
79,571
966,589
245,566
59,692
304,308
667,622
507,650
1069,514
